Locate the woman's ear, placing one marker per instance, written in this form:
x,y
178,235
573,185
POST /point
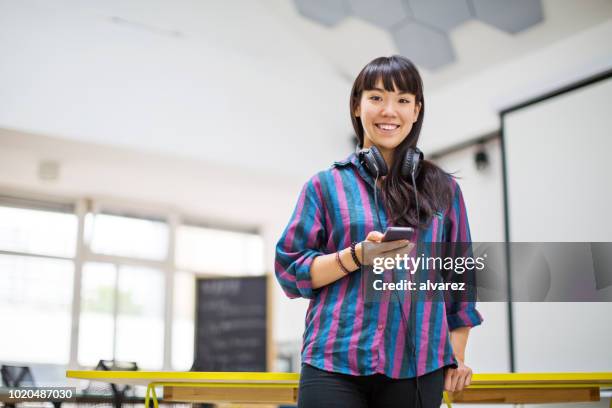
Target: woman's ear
x,y
357,111
417,110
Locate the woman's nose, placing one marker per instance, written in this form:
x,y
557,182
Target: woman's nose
x,y
388,109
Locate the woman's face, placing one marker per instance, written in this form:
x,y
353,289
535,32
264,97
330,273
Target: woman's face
x,y
386,117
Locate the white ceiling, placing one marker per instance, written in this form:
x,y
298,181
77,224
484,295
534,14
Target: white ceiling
x,y
244,83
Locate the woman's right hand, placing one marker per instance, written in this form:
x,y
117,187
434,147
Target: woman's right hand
x,y
373,247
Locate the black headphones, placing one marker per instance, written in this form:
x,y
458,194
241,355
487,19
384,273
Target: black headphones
x,y
374,163
372,160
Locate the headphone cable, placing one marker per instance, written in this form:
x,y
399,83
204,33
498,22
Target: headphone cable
x,y
417,396
416,199
376,200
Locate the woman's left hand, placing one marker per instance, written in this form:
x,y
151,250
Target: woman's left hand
x,y
456,379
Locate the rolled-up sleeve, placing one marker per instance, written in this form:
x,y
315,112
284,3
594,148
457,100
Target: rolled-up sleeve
x,y
301,242
457,230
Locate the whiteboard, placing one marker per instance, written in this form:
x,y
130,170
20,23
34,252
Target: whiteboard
x,y
558,167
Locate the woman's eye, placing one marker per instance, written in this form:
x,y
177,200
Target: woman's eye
x,y
404,101
375,98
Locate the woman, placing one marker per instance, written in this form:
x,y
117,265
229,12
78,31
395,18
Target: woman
x,y
365,354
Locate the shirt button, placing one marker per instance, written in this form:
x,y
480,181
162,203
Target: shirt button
x,y
380,327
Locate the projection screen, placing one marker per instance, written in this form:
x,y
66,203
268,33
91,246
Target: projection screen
x,y
558,154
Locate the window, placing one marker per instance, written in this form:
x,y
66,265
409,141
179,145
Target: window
x,y
140,316
122,291
97,320
38,232
215,251
125,264
183,323
36,281
127,236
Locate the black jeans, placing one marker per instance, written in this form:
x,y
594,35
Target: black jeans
x,y
324,389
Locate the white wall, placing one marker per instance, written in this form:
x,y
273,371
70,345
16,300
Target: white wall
x,y
234,76
488,345
469,108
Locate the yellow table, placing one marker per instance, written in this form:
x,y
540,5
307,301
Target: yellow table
x,y
282,388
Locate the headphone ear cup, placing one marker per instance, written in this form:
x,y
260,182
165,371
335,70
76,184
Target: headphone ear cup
x,y
380,162
412,162
373,161
416,162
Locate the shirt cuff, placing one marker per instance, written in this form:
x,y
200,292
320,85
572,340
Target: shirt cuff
x,y
464,318
303,279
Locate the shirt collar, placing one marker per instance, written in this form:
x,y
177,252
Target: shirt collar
x,y
354,160
351,159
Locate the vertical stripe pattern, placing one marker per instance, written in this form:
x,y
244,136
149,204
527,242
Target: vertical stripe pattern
x,y
343,333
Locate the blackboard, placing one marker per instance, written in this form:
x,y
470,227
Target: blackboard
x,y
231,324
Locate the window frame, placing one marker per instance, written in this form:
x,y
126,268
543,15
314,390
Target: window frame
x,y
81,207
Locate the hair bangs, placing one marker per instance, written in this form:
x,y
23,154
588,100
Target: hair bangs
x,y
395,73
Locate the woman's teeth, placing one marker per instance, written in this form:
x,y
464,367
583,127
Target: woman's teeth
x,y
386,127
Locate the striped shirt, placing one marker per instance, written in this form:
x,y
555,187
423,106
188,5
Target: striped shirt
x,y
343,333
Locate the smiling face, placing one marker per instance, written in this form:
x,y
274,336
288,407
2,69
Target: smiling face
x,y
387,117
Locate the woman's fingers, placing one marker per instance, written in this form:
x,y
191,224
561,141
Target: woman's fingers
x,y
447,379
468,379
465,378
458,379
402,247
385,247
451,380
375,236
372,250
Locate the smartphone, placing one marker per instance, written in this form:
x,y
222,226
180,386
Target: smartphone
x,y
397,233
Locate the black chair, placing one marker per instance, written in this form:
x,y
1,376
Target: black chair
x,y
119,392
16,376
19,376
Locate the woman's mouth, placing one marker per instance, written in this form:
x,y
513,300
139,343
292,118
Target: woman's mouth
x,y
386,127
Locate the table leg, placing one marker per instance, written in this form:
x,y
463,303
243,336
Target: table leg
x,y
151,394
447,400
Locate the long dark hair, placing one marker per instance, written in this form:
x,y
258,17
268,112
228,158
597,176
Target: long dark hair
x,y
433,184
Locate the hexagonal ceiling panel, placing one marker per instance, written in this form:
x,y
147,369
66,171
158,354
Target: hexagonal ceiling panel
x,y
442,14
510,16
426,46
325,12
382,13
